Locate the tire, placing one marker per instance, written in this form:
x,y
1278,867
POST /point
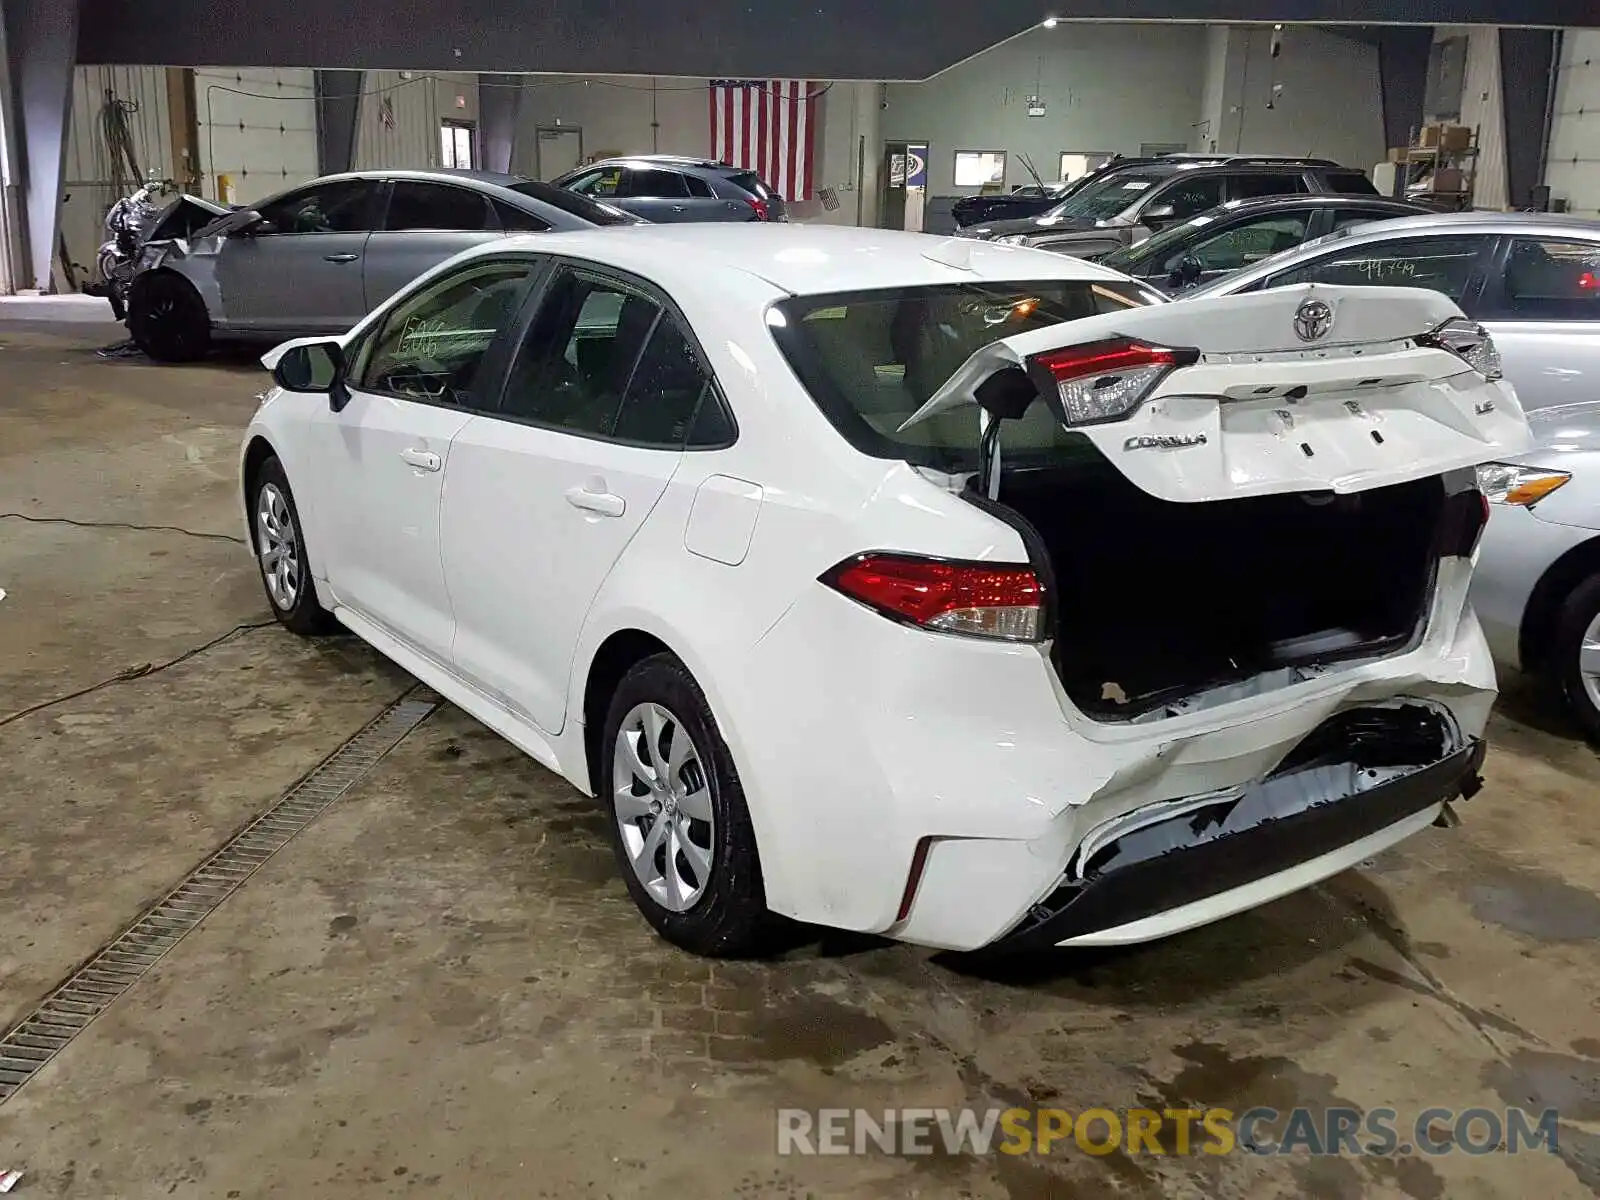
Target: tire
x,y
714,903
275,531
1578,620
168,320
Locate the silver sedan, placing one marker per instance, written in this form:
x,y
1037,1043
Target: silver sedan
x,y
1537,583
318,258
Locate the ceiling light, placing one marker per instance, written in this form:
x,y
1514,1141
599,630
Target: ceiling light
x,y
1051,22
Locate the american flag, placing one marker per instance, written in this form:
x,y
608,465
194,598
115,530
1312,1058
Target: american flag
x,y
767,126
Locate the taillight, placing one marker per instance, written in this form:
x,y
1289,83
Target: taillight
x,y
1465,515
988,600
763,213
1105,381
1468,341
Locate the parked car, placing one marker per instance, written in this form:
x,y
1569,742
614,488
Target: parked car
x,y
1027,200
1537,584
1034,199
1531,279
1241,233
1123,207
318,257
973,596
667,188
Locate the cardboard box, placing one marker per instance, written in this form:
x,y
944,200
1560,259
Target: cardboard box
x,y
1449,179
1428,137
1455,138
1397,154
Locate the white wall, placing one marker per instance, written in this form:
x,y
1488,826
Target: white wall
x,y
399,114
619,114
1323,90
89,190
1106,87
258,127
1572,168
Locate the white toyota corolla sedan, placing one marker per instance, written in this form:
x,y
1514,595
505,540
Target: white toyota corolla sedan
x,y
961,593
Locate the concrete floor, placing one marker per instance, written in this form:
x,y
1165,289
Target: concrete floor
x,y
442,988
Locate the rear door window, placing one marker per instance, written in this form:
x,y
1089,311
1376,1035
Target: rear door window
x,y
1250,187
1352,183
1550,279
652,182
1442,264
415,205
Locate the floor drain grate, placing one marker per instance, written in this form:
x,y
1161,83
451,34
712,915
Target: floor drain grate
x,y
125,959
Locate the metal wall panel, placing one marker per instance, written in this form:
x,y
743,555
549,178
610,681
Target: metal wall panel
x,y
91,187
257,127
401,112
1572,167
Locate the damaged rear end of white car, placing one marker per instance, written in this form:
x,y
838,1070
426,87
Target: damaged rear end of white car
x,y
1201,637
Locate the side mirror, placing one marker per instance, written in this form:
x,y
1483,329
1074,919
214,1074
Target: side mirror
x,y
254,225
314,367
1155,214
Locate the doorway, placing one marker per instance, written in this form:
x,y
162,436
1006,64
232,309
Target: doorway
x,y
557,150
457,149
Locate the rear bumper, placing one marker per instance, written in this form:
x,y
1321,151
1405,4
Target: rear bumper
x,y
1191,885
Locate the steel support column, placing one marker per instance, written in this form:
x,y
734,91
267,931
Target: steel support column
x,y
499,102
1526,58
41,46
338,108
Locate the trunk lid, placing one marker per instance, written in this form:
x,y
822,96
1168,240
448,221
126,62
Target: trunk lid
x,y
1311,388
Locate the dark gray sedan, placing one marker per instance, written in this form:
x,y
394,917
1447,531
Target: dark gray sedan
x,y
318,258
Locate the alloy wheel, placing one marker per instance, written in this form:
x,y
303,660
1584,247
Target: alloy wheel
x,y
278,547
1589,661
662,800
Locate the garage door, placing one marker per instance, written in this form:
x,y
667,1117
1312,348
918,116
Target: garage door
x,y
1573,168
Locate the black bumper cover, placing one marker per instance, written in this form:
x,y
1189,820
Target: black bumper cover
x,y
1155,885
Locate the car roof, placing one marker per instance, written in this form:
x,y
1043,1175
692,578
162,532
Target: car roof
x,y
440,174
681,161
1318,200
1485,222
803,259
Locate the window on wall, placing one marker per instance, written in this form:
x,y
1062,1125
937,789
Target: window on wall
x,y
455,146
1075,164
980,168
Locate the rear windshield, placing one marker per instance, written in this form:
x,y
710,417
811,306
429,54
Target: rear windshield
x,y
1105,198
570,202
1351,183
751,182
871,359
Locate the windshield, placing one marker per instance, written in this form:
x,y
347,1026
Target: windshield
x,y
579,206
1105,198
871,359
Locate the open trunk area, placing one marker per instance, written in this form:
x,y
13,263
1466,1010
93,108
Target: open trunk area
x,y
1156,600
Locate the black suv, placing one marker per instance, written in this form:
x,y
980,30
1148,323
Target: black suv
x,y
1123,206
666,187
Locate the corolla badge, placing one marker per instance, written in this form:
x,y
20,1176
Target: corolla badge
x,y
1312,320
1166,441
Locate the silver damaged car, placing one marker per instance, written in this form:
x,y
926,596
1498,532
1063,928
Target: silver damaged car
x,y
316,259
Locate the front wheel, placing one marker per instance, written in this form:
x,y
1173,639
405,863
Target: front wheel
x,y
680,827
1575,655
168,320
280,545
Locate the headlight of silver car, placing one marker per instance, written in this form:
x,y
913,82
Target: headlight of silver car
x,y
1012,239
1508,483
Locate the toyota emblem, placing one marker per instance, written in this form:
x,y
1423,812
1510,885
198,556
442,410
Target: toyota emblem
x,y
1312,320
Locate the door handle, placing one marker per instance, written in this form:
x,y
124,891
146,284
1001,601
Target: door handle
x,y
589,500
423,460
340,258
677,208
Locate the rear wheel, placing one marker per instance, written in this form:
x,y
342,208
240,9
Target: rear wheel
x,y
680,828
280,546
1575,655
168,320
